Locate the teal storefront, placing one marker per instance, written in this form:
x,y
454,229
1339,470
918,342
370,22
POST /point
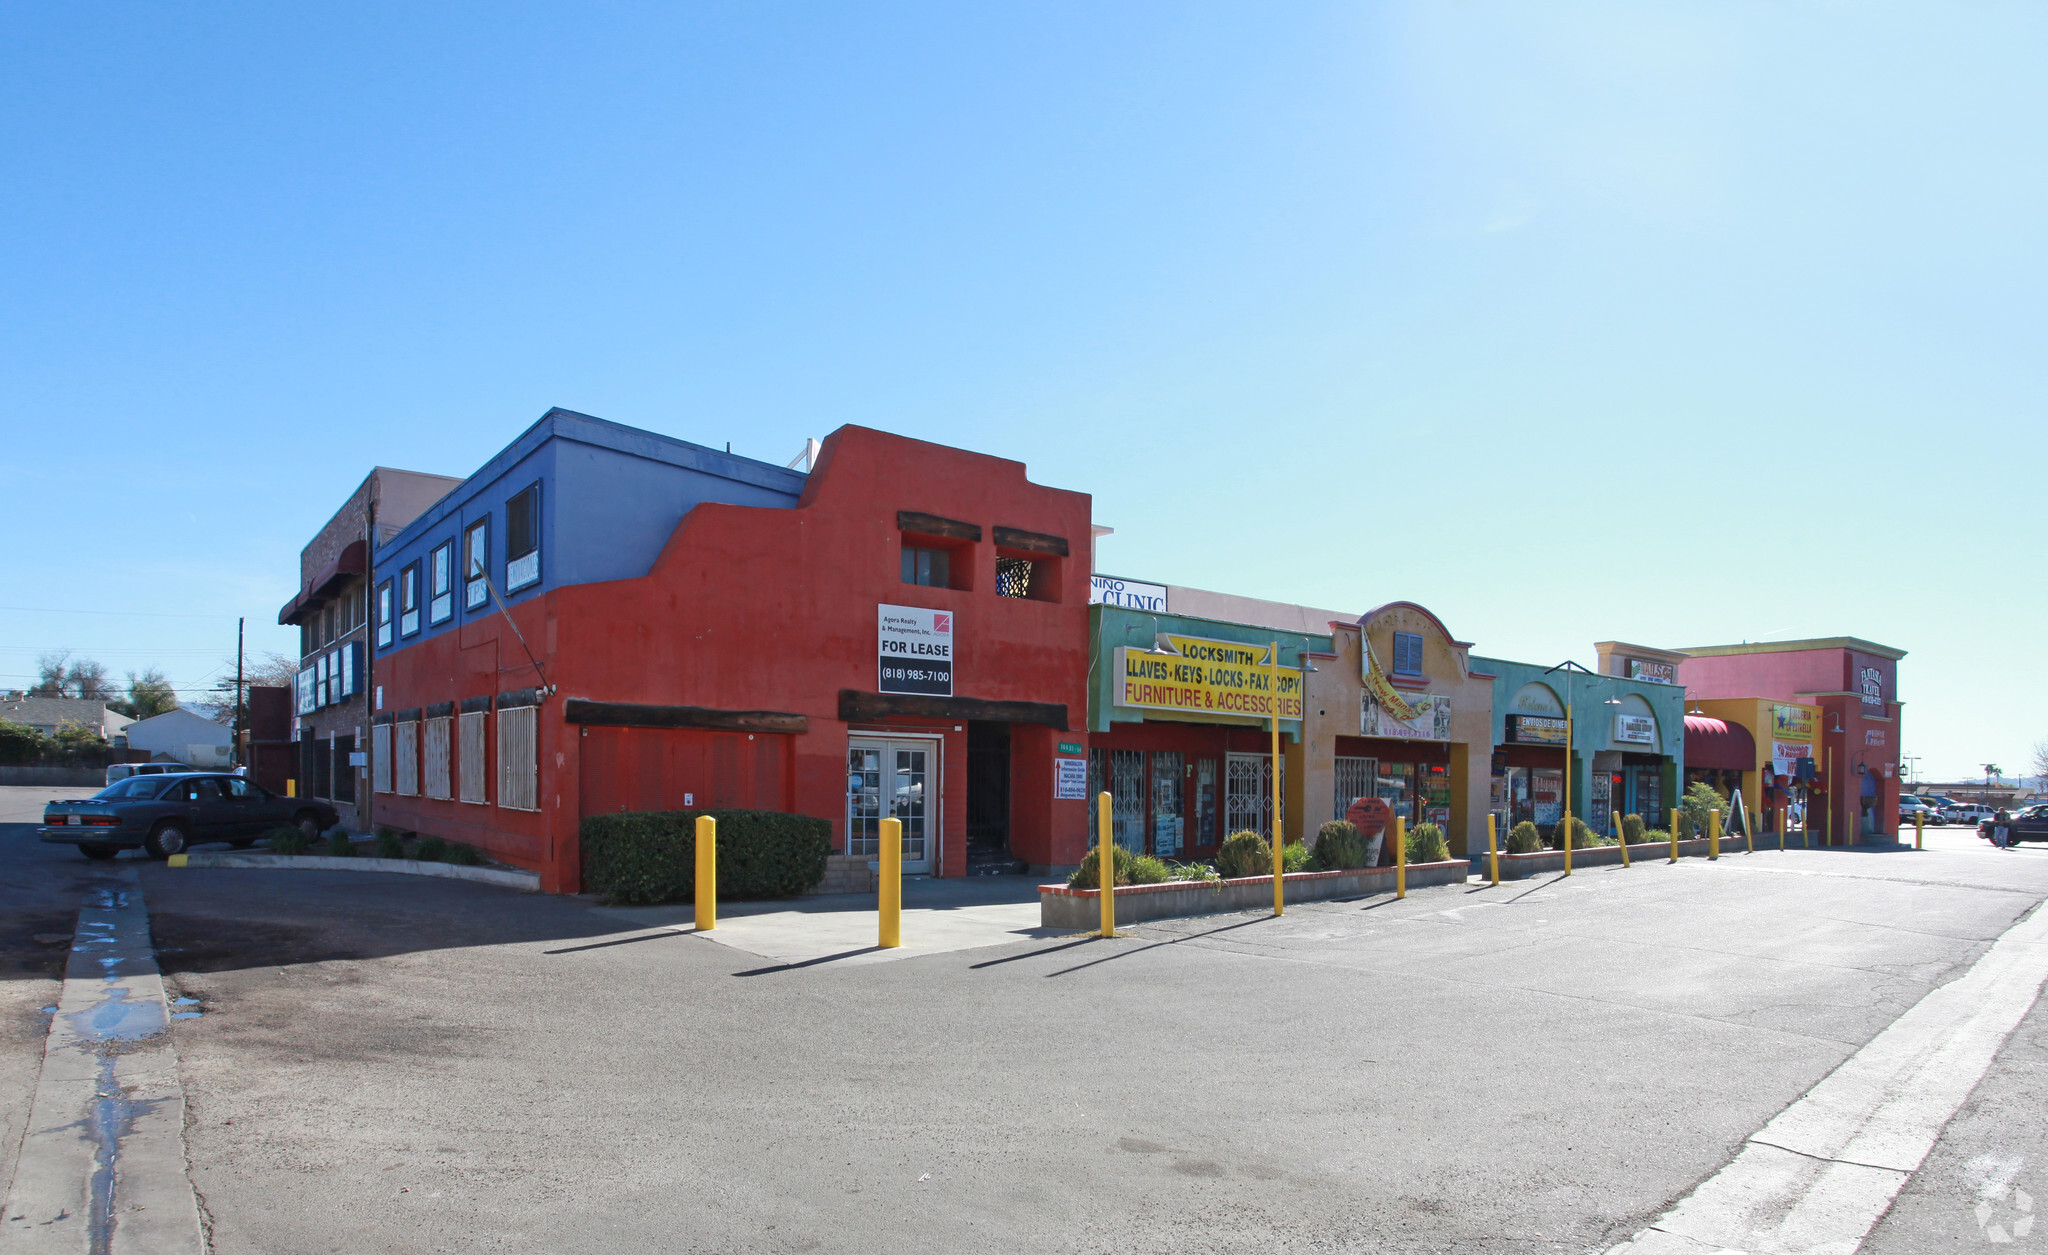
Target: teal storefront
x,y
1626,755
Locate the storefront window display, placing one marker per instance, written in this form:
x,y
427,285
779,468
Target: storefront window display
x,y
1434,785
1532,795
1394,784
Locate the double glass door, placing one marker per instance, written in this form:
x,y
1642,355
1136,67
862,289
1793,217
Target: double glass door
x,y
895,780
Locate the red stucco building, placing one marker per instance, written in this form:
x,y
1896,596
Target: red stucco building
x,y
1856,685
606,619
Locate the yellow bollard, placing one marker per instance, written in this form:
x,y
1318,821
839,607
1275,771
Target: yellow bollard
x,y
1783,816
1105,858
707,873
1919,828
1567,821
1674,834
889,895
1492,851
1714,833
1400,856
291,788
1620,837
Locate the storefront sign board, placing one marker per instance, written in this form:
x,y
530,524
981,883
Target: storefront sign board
x,y
1535,730
1070,779
1107,590
1792,723
914,650
1202,676
1431,720
1654,672
1635,729
1873,737
1785,756
1872,681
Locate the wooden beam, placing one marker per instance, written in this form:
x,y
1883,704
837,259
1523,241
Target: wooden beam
x,y
1030,542
859,707
933,525
634,715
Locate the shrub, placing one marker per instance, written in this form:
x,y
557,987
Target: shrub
x,y
1632,828
1131,869
651,856
1297,858
1524,838
1195,871
1699,799
1658,835
1244,854
1426,845
1339,847
389,843
1583,838
430,849
287,840
463,855
339,845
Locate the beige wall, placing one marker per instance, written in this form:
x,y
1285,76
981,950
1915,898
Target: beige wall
x,y
1336,693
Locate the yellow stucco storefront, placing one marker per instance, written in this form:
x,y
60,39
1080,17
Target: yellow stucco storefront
x,y
1784,733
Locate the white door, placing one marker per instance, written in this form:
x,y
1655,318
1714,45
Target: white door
x,y
898,780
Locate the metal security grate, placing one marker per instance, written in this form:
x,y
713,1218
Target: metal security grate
x,y
470,734
1169,793
439,785
1013,577
1354,781
407,758
518,761
1248,793
380,758
1127,799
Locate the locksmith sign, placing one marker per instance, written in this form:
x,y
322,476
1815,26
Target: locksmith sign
x,y
1201,676
914,650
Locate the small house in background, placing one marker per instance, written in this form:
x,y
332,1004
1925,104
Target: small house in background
x,y
49,715
182,736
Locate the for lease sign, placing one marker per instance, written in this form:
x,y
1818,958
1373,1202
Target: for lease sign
x,y
913,650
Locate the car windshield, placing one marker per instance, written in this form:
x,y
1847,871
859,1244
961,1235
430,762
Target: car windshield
x,y
132,787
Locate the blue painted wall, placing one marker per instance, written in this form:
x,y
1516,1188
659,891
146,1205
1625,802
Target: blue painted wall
x,y
610,498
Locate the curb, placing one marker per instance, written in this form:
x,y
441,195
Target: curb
x,y
525,882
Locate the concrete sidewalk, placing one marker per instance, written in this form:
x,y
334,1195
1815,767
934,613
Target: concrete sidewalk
x,y
958,913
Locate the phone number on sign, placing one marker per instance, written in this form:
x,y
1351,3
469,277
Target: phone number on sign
x,y
911,673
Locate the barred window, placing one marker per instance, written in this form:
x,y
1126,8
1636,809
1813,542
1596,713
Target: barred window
x,y
437,761
1013,577
406,757
380,757
518,758
472,774
1354,781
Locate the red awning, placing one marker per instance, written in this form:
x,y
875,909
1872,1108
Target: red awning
x,y
351,561
1718,744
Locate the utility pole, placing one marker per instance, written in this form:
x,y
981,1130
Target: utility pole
x,y
239,702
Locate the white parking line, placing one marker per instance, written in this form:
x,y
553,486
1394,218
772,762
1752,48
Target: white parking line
x,y
1816,1178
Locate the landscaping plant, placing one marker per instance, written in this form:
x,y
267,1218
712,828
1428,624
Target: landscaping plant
x,y
1426,845
1524,838
430,849
1693,808
1632,828
339,845
1339,847
389,843
463,855
1583,838
1130,869
1244,854
651,856
287,840
1296,857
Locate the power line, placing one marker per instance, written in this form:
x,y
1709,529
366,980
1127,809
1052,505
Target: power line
x,y
133,614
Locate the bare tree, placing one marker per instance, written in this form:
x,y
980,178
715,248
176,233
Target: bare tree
x,y
2041,761
53,674
264,670
89,681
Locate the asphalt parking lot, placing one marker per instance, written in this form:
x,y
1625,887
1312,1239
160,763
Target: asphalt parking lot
x,y
394,1064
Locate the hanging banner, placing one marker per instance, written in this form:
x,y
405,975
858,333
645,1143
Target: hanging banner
x,y
1792,723
1203,676
1429,718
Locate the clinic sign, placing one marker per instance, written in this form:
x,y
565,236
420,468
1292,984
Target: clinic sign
x,y
1196,675
1107,590
913,650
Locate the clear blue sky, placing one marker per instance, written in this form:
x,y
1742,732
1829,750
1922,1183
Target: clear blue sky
x,y
1678,324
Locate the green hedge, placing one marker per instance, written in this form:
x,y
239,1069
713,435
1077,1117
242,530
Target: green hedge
x,y
651,856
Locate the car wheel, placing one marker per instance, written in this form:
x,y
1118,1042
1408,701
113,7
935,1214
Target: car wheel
x,y
308,826
168,839
99,853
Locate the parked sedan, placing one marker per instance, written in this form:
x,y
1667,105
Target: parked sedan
x,y
2027,824
166,814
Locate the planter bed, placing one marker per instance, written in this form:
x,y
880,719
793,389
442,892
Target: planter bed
x,y
1061,907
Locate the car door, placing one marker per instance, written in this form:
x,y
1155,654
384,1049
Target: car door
x,y
212,814
2031,824
246,801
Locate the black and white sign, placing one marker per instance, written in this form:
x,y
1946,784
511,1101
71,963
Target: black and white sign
x,y
1070,779
1635,729
1873,686
914,650
1107,590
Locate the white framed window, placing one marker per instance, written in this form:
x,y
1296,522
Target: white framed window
x,y
441,583
384,615
476,560
380,757
409,600
405,758
435,753
470,734
522,539
518,758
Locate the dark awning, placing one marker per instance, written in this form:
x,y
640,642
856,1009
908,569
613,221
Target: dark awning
x,y
353,560
1718,744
